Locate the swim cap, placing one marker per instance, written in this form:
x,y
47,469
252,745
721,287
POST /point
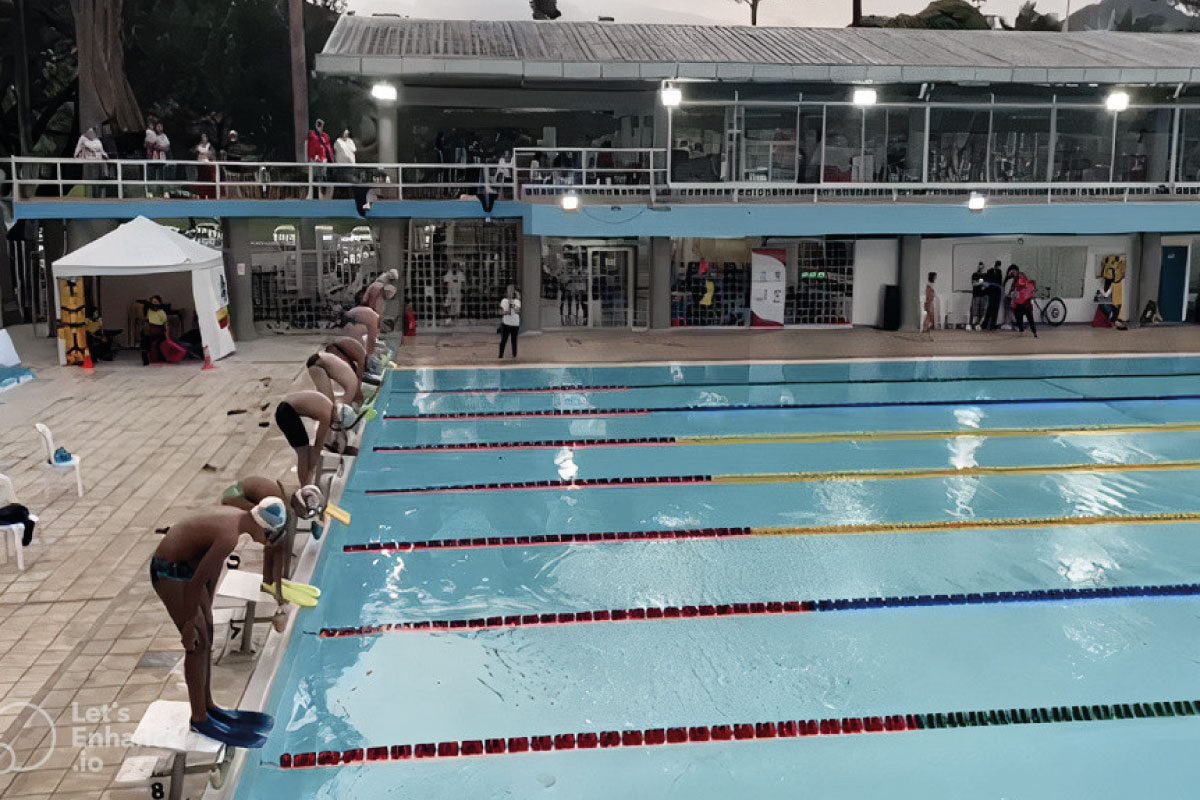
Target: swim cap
x,y
271,514
389,292
311,500
346,415
392,275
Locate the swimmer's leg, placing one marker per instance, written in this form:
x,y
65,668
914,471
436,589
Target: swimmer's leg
x,y
195,660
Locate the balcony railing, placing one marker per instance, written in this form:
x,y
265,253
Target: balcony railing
x,y
535,175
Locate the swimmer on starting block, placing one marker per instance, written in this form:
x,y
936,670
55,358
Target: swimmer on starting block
x,y
184,572
311,404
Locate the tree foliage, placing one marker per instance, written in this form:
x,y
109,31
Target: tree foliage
x,y
184,60
938,15
1028,19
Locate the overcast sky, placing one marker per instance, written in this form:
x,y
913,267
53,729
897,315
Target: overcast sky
x,y
813,13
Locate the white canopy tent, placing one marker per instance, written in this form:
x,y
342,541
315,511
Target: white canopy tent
x,y
143,247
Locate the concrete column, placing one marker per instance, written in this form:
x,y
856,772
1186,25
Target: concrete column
x,y
530,254
1148,276
86,231
393,234
236,237
661,257
910,283
385,120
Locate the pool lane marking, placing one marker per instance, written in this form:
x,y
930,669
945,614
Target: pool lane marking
x,y
774,608
463,416
791,477
741,731
557,540
790,438
906,436
949,472
537,390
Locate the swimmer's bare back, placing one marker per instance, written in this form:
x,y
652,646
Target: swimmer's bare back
x,y
190,540
351,351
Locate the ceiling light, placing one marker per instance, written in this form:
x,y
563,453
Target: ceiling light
x,y
570,202
976,202
672,96
1117,101
865,97
384,92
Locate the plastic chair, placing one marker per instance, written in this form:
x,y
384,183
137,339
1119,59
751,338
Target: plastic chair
x,y
8,495
74,463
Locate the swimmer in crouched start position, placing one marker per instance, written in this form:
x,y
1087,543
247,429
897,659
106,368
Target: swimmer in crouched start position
x,y
184,572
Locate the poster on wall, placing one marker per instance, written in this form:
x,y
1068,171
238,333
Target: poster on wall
x,y
768,288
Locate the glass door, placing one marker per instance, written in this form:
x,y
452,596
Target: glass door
x,y
610,279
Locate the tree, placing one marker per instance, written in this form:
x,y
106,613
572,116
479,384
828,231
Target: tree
x,y
754,9
938,15
544,9
1028,19
104,91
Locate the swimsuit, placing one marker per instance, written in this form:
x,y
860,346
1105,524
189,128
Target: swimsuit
x,y
235,492
288,420
163,570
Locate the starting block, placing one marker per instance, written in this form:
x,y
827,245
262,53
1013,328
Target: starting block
x,y
167,726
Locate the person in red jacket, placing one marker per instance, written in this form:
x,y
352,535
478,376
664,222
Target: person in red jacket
x,y
1023,291
320,151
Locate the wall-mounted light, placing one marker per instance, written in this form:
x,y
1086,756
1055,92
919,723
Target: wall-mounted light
x,y
865,97
384,92
672,96
976,202
570,202
1117,101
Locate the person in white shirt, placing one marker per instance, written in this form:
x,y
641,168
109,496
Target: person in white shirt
x,y
510,322
344,149
90,148
206,175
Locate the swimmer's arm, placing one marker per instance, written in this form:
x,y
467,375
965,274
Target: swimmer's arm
x,y
208,570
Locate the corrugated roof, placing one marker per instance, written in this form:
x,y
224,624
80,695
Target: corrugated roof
x,y
382,45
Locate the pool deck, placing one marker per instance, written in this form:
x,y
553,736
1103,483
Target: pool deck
x,y
160,442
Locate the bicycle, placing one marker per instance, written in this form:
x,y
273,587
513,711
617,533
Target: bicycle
x,y
1052,310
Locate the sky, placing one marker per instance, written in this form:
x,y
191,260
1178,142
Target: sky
x,y
810,13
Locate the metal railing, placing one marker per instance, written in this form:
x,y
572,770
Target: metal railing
x,y
535,175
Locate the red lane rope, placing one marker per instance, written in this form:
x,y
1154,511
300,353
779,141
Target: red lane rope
x,y
742,731
586,483
544,540
476,415
575,389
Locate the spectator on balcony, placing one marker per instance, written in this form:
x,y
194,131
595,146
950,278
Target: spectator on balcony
x,y
345,151
206,173
320,151
157,147
90,148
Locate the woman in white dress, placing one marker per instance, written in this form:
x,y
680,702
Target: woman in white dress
x,y
90,148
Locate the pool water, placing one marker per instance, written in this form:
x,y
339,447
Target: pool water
x,y
986,541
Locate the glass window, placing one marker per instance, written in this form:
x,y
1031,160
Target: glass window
x,y
1189,146
769,147
812,132
843,143
698,144
957,144
1020,145
1083,145
1143,145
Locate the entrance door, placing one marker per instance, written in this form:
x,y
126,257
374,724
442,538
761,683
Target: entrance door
x,y
1172,283
610,279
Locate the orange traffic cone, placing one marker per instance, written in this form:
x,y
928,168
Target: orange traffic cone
x,y
87,360
207,360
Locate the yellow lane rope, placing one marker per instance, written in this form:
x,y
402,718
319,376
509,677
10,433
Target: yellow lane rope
x,y
912,436
947,472
979,524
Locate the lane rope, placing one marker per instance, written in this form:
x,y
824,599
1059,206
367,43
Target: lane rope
x,y
541,444
743,731
564,389
793,477
936,526
627,412
644,614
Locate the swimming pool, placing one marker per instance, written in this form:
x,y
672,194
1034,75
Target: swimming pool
x,y
949,578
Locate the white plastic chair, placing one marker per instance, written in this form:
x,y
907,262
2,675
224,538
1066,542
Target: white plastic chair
x,y
8,495
74,463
